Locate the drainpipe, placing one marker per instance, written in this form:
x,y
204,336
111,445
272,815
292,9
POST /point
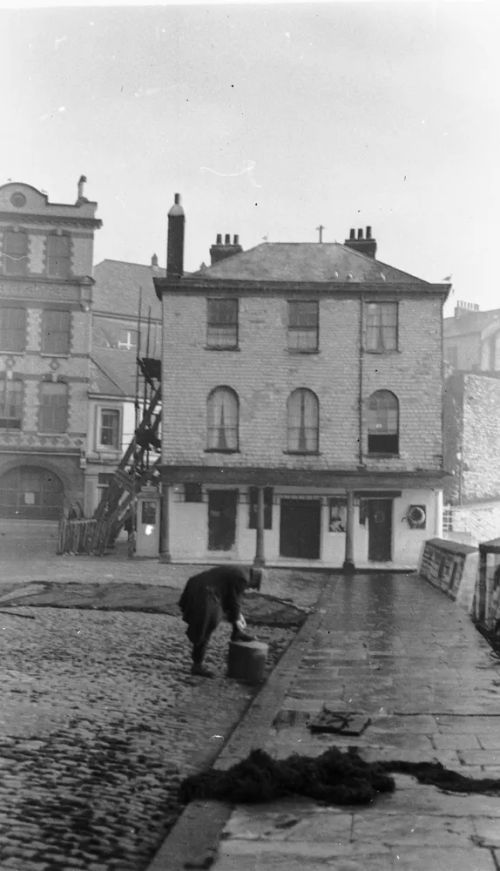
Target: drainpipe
x,y
259,560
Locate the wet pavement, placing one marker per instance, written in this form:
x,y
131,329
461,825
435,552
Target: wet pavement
x,y
392,649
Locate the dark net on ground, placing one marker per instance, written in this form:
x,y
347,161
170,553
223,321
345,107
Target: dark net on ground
x,y
336,777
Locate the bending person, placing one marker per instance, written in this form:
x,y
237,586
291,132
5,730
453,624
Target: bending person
x,y
208,598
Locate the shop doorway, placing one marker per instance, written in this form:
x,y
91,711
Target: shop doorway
x,y
222,506
379,513
300,528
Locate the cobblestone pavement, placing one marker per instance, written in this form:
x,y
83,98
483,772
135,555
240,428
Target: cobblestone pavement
x,y
99,720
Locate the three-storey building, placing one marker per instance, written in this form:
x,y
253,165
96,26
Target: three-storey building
x,y
46,255
302,405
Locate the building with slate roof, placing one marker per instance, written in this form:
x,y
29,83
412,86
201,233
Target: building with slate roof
x,y
302,397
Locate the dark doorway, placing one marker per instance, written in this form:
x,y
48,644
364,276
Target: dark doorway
x,y
31,492
379,512
222,519
300,523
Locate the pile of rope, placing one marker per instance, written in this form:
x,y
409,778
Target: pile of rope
x,y
335,777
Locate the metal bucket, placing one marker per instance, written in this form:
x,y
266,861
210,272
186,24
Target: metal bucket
x,y
246,660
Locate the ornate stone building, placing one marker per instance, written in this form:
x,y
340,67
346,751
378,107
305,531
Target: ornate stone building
x,y
46,256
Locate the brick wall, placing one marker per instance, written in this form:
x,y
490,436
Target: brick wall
x,y
263,373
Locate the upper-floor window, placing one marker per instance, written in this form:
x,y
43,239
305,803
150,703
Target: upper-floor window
x,y
109,428
383,423
58,255
222,420
15,252
11,401
222,323
12,329
303,422
53,415
55,331
381,327
303,325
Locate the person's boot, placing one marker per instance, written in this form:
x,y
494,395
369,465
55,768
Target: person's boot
x,y
200,670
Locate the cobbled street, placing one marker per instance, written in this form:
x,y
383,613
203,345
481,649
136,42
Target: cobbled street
x,y
100,720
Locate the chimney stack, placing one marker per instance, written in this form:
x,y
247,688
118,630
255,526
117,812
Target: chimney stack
x,y
175,240
220,251
364,244
81,182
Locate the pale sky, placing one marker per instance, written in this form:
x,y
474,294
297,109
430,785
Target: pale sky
x,y
269,119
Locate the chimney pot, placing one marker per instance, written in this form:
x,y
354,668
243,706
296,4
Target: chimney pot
x,y
360,233
218,241
352,233
236,240
368,232
227,239
154,260
177,199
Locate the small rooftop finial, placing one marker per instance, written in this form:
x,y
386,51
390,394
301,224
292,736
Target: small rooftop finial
x,y
81,181
320,231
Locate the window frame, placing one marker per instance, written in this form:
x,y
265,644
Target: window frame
x,y
117,414
9,331
52,257
10,257
43,409
303,394
296,329
387,432
11,421
216,322
48,331
216,427
380,345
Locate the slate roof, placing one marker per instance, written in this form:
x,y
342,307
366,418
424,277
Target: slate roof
x,y
113,372
118,285
308,262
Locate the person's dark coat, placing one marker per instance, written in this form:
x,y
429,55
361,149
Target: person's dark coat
x,y
208,598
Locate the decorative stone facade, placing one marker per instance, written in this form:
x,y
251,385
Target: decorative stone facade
x,y
46,252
